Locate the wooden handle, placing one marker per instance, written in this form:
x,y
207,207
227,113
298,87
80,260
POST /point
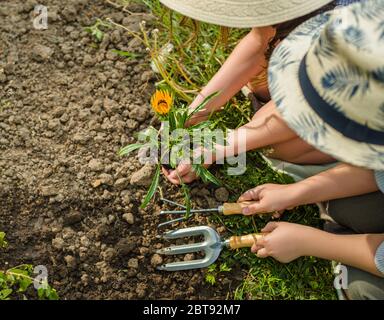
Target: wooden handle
x,y
244,241
235,208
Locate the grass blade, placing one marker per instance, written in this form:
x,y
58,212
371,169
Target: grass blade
x,y
205,175
203,104
130,148
126,54
152,188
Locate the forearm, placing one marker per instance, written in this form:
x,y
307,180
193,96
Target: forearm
x,y
246,60
340,182
266,128
353,250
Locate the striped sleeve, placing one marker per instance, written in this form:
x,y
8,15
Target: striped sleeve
x,y
379,258
379,175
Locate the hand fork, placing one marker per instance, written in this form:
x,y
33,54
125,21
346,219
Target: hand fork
x,y
226,209
211,246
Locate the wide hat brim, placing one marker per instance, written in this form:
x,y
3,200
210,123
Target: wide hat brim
x,y
245,13
286,92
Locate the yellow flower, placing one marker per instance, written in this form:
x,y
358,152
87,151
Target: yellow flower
x,y
161,102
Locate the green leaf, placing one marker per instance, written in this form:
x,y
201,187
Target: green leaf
x,y
152,188
24,284
224,268
126,54
203,104
200,126
3,242
205,175
187,198
52,294
5,293
18,272
130,148
210,278
41,293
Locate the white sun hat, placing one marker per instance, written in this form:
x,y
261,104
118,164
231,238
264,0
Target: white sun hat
x,y
327,80
245,13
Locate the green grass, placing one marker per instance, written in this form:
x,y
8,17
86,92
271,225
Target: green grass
x,y
199,51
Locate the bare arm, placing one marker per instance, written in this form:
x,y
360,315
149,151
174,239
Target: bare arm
x,y
246,60
354,250
287,241
340,182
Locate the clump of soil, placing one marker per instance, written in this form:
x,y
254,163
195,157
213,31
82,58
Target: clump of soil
x,y
67,201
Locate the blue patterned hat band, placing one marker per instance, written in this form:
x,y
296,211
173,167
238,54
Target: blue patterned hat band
x,y
327,80
336,119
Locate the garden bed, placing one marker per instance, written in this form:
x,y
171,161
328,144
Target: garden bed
x,y
68,103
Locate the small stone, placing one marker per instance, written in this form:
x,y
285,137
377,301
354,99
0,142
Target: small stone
x,y
147,76
84,279
72,218
133,263
144,176
88,60
121,183
189,257
141,290
106,179
111,219
48,191
221,194
131,124
96,183
110,106
126,246
109,254
95,165
3,77
58,243
125,197
139,113
85,241
70,261
156,260
80,138
129,218
41,53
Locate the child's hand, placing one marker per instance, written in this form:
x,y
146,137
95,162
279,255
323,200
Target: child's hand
x,y
183,172
285,241
270,198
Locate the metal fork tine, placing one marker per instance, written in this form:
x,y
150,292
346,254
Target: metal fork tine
x,y
180,233
183,265
182,249
170,222
211,246
174,203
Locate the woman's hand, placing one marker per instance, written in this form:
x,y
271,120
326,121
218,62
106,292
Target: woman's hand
x,y
284,242
270,198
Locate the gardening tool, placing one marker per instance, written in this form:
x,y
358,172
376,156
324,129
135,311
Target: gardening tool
x,y
211,246
226,209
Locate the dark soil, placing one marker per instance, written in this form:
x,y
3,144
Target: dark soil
x,y
67,105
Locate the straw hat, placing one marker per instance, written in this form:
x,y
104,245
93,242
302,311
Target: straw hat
x,y
245,13
327,80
